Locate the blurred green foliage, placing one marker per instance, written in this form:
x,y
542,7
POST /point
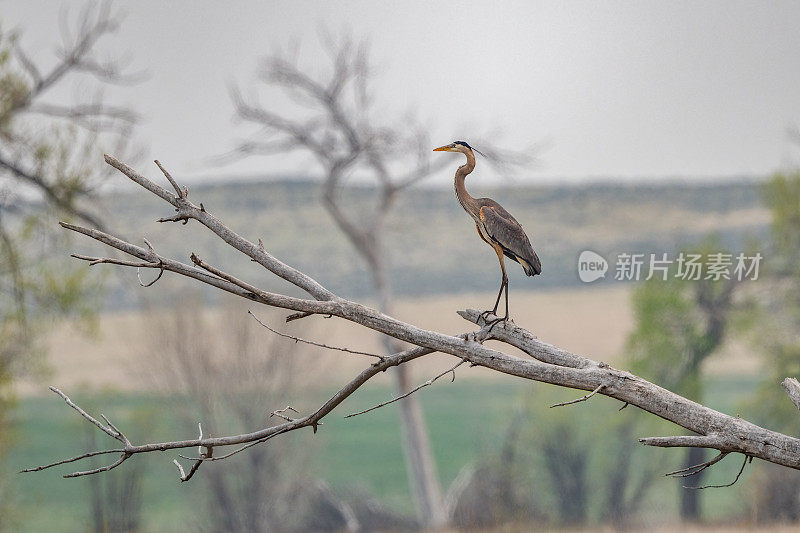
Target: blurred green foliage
x,y
49,167
587,455
778,332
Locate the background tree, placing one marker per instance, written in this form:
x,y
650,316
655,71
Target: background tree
x,y
336,121
679,324
48,171
115,502
778,324
574,467
230,372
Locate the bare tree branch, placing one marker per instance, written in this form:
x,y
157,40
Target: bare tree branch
x,y
105,429
412,391
792,388
548,364
581,399
696,469
747,458
187,210
313,343
50,192
249,439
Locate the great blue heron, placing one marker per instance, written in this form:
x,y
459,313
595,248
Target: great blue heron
x,y
495,225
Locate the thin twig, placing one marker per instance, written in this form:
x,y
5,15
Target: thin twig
x,y
199,437
696,469
71,460
208,453
107,260
251,439
87,416
744,463
181,192
412,391
279,412
106,468
581,399
313,343
160,267
120,436
181,471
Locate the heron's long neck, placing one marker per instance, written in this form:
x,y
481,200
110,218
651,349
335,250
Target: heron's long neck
x,y
467,202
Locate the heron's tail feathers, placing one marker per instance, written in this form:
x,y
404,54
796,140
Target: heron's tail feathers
x,y
531,266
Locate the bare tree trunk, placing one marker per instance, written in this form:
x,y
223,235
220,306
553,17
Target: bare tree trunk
x,y
716,306
420,465
690,502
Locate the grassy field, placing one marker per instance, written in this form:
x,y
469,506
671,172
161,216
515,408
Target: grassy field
x,y
466,419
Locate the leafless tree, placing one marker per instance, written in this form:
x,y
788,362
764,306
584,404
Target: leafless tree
x,y
228,370
115,501
340,127
48,163
31,160
548,364
341,132
49,155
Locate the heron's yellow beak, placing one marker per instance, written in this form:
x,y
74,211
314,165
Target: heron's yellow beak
x,y
443,149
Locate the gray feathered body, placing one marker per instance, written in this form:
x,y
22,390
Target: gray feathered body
x,y
498,226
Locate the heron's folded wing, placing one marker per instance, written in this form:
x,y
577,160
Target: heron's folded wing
x,y
508,233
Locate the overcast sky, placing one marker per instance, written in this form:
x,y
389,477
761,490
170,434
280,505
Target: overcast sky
x,y
616,89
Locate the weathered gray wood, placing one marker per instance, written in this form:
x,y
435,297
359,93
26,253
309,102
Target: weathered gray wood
x,y
186,210
792,387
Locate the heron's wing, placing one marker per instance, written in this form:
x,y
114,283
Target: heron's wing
x,y
504,230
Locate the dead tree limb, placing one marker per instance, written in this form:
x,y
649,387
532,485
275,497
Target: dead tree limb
x,y
548,364
792,388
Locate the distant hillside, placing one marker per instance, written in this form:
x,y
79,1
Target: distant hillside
x,y
433,244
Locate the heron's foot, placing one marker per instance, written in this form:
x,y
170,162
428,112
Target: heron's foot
x,y
493,323
483,316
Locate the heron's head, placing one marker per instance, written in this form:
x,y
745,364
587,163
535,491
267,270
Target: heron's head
x,y
456,146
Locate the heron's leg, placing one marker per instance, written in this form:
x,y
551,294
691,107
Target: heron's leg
x,y
499,294
506,280
503,285
493,311
504,319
